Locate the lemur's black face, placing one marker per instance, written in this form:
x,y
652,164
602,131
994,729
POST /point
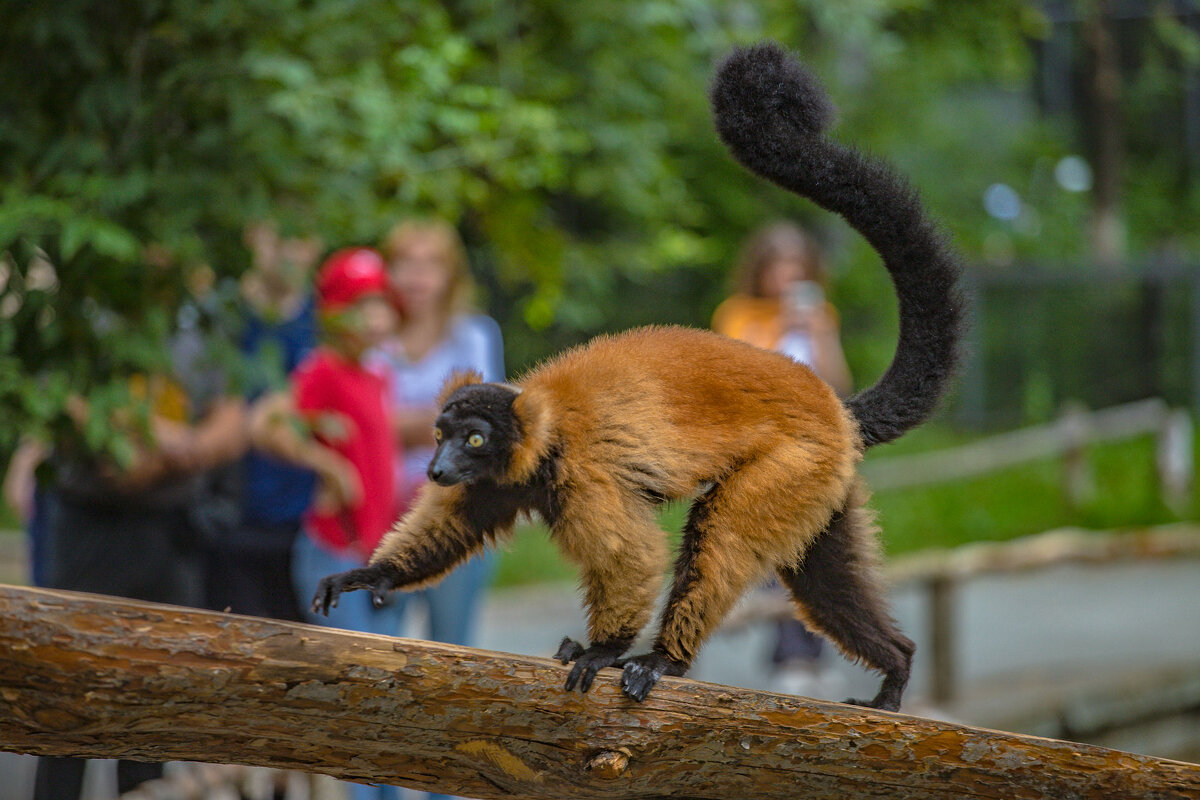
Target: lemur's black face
x,y
475,435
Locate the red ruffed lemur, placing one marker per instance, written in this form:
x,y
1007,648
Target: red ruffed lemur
x,y
596,439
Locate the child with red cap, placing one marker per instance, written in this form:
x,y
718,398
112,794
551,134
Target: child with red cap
x,y
336,422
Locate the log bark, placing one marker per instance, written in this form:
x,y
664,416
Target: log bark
x,y
95,676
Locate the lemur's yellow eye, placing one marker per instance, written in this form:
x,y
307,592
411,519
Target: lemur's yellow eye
x,y
475,440
437,434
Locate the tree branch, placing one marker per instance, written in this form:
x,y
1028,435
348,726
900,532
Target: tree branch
x,y
94,676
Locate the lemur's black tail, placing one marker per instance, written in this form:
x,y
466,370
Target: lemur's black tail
x,y
771,112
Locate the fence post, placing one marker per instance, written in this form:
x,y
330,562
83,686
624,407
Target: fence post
x,y
943,592
1176,461
1077,476
1195,330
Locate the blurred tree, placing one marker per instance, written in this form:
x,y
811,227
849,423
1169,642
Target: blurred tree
x,y
571,141
137,139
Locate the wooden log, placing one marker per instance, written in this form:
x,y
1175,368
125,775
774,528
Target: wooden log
x,y
86,675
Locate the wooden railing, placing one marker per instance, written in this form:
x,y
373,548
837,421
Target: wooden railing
x,y
1066,438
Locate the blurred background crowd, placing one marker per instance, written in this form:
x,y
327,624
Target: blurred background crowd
x,y
243,243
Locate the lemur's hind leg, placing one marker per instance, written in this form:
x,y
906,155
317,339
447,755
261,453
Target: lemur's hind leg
x,y
642,672
734,534
839,593
617,543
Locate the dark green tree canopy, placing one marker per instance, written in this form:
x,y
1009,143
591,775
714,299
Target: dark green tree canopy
x,y
570,142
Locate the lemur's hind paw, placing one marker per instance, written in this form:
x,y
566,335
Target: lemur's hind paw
x,y
588,661
642,673
569,650
879,703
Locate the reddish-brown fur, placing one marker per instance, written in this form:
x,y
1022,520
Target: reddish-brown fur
x,y
652,415
672,409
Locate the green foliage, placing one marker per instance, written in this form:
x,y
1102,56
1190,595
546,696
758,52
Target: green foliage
x,y
1027,500
571,143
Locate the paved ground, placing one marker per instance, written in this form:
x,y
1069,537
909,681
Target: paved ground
x,y
1060,624
1060,621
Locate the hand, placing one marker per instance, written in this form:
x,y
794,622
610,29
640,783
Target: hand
x,y
19,486
340,486
816,321
378,578
175,442
332,426
171,452
147,467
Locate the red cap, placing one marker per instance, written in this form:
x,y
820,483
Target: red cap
x,y
349,275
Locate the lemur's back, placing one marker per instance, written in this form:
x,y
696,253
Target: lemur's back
x,y
689,405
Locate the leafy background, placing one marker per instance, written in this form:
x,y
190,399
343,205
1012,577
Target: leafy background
x,y
570,142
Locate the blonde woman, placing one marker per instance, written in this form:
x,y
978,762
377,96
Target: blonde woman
x,y
438,334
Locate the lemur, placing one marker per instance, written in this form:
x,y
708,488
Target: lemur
x,y
595,440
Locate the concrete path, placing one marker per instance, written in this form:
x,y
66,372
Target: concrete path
x,y
1059,621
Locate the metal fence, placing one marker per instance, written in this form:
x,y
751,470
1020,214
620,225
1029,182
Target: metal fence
x,y
1043,337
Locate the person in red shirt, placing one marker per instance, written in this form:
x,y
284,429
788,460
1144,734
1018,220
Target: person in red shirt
x,y
336,422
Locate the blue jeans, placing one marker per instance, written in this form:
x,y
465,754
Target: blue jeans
x,y
452,603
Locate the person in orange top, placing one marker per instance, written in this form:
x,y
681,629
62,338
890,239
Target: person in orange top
x,y
780,303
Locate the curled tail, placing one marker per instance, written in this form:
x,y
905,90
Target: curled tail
x,y
771,112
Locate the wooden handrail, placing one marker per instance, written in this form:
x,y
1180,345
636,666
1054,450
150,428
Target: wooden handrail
x,y
1003,450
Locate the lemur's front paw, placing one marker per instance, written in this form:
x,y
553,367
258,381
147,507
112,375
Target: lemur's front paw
x,y
642,673
379,579
588,661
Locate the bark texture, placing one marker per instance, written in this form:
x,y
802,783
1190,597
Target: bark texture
x,y
96,676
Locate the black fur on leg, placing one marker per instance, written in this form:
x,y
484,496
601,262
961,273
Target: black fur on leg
x,y
836,590
568,650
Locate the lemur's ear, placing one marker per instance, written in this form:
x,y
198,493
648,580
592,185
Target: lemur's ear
x,y
533,415
457,380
